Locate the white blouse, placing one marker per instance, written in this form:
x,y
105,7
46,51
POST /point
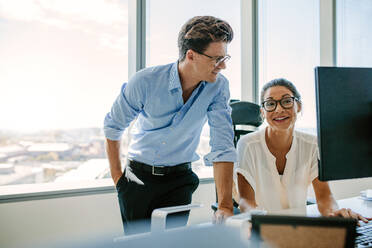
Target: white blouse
x,y
257,165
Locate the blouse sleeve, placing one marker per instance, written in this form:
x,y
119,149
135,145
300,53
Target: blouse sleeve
x,y
245,165
314,164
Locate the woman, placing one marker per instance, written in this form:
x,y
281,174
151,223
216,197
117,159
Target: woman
x,y
277,164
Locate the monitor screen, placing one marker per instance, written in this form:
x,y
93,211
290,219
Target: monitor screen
x,y
344,122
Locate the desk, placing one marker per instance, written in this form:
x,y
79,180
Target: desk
x,y
357,204
354,203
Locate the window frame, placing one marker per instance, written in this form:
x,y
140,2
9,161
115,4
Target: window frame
x,y
136,61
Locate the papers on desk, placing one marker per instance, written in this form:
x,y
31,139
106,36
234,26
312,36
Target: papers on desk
x,y
366,194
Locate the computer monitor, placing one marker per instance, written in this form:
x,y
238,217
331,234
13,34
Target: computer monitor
x,y
344,122
303,231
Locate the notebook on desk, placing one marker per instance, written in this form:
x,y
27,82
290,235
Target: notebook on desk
x,y
302,231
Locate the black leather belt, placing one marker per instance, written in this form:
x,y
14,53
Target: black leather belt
x,y
159,170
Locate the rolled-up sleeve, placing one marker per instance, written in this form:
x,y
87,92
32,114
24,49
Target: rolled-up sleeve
x,y
125,109
221,129
245,165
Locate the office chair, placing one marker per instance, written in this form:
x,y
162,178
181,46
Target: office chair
x,y
246,118
244,114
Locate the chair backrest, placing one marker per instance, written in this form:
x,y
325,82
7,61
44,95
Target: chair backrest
x,y
244,114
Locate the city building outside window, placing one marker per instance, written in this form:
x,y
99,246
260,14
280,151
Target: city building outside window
x,y
62,65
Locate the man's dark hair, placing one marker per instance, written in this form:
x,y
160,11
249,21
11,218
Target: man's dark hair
x,y
281,82
200,31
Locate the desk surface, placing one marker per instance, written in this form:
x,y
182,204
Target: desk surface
x,y
357,204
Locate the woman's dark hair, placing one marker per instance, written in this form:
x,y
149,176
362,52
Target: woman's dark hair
x,y
281,82
200,31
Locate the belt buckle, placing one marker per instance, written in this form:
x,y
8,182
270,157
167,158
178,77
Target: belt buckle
x,y
157,174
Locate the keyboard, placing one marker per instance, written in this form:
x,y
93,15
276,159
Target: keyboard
x,y
364,235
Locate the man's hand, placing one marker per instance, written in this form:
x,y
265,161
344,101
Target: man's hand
x,y
221,215
223,172
116,177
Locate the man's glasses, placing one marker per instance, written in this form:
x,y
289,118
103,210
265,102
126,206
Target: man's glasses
x,y
285,102
217,59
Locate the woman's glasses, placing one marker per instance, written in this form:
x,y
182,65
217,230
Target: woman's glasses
x,y
285,102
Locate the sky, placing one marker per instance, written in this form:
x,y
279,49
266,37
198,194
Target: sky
x,y
63,62
289,48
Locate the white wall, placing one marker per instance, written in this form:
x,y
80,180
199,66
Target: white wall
x,y
347,188
69,218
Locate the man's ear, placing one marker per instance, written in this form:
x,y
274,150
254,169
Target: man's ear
x,y
190,55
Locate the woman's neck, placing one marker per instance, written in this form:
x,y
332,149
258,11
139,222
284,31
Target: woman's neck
x,y
279,140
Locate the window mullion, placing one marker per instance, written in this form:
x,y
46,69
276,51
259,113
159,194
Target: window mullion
x,y
249,48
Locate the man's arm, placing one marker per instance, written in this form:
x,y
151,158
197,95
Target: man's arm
x,y
113,154
223,153
125,109
223,172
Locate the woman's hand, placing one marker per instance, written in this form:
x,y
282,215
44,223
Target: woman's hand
x,y
348,213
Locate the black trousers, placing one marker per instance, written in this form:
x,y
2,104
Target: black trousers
x,y
140,192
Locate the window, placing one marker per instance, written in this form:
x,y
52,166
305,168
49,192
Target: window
x,y
353,33
289,48
162,32
161,45
61,67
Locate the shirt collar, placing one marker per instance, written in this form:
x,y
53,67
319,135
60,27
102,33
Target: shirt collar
x,y
174,81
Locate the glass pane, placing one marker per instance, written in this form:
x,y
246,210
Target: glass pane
x,y
61,67
161,44
162,32
289,48
353,33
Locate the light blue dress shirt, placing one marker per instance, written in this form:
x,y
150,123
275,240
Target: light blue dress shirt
x,y
167,130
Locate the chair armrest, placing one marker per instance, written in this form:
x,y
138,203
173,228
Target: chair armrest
x,y
159,215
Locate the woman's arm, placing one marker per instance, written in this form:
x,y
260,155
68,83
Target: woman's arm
x,y
247,195
327,205
324,198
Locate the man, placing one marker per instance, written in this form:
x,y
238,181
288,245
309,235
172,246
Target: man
x,y
172,103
